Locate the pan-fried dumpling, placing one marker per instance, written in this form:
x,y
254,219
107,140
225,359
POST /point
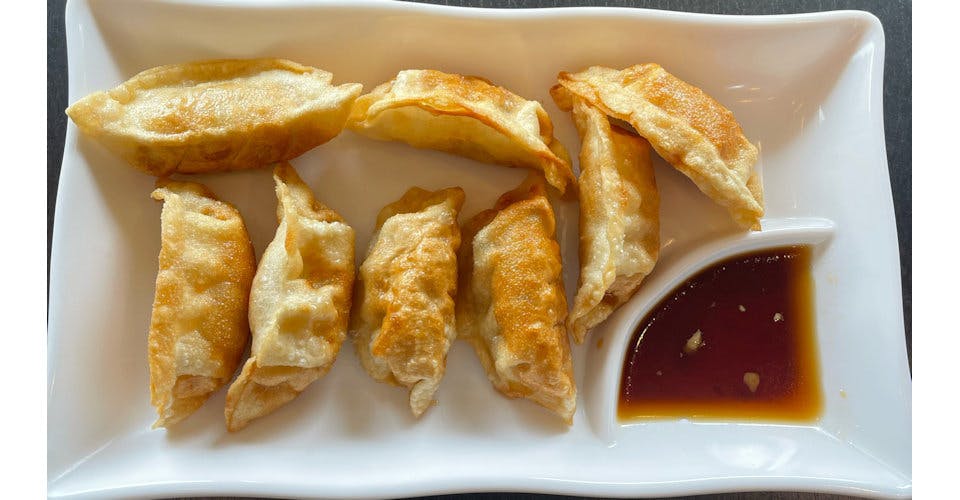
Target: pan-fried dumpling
x,y
511,305
688,128
406,320
619,215
464,115
299,303
198,329
216,115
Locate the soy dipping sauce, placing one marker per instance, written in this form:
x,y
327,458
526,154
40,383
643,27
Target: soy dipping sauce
x,y
735,341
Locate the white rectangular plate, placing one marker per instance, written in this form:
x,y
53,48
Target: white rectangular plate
x,y
807,90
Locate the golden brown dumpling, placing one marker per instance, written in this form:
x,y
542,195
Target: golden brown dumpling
x,y
198,330
511,305
299,303
619,215
216,115
693,132
405,320
464,115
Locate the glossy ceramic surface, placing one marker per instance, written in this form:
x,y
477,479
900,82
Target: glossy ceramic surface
x,y
807,90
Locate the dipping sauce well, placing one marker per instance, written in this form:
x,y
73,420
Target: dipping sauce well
x,y
754,357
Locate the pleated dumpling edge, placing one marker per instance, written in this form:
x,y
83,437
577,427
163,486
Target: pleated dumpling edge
x,y
300,303
688,128
467,116
198,325
216,115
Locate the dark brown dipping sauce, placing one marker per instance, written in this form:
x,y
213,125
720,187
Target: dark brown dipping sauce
x,y
755,316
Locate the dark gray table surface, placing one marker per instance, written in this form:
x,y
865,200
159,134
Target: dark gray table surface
x,y
895,15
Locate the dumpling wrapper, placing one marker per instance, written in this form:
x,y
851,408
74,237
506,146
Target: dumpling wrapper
x,y
467,116
688,128
198,328
406,319
619,215
216,115
511,305
299,303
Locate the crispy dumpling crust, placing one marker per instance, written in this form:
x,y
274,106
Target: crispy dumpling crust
x,y
464,115
619,215
511,305
688,128
198,328
216,115
406,320
299,303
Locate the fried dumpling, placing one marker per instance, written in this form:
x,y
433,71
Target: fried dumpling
x,y
299,303
216,115
405,322
198,329
464,115
688,128
511,305
619,215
